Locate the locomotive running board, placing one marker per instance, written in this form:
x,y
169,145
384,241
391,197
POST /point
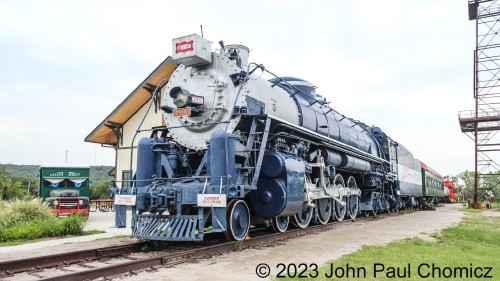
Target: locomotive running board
x,y
166,227
332,143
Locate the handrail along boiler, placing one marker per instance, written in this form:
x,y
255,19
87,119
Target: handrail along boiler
x,y
238,150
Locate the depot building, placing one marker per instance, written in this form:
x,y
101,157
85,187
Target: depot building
x,y
119,128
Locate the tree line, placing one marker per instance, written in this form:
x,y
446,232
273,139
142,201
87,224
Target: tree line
x,y
25,187
15,186
488,182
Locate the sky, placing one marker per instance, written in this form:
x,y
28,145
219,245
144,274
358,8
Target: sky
x,y
404,66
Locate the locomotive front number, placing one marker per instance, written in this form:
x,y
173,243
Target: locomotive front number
x,y
197,100
178,112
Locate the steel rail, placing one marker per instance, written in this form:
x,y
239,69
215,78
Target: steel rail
x,y
21,265
184,256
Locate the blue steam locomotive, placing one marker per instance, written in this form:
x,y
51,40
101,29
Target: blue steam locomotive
x,y
239,151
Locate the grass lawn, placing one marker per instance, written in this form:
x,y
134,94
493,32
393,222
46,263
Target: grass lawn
x,y
464,252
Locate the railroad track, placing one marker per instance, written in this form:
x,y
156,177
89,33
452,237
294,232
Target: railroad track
x,y
133,265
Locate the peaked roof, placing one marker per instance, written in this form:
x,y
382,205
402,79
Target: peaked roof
x,y
103,134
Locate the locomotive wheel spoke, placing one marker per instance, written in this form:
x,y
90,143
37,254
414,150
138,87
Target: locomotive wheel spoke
x,y
353,200
333,213
324,210
303,218
340,210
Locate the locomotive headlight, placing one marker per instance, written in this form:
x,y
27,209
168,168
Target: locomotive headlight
x,y
181,97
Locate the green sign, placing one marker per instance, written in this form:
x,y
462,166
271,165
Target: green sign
x,y
65,172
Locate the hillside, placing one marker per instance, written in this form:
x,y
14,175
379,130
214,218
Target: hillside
x,y
97,173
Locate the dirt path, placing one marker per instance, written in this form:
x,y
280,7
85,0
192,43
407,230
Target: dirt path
x,y
317,249
491,213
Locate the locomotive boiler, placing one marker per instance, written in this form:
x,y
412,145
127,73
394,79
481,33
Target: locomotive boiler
x,y
239,151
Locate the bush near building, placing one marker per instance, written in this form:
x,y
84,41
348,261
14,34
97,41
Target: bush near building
x,y
22,220
100,190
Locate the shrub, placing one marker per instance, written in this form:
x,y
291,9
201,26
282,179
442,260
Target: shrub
x,y
53,227
18,211
73,225
32,219
24,231
99,190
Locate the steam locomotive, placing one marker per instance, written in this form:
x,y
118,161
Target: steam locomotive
x,y
239,151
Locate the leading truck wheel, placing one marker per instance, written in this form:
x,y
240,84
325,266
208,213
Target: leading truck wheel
x,y
280,224
238,220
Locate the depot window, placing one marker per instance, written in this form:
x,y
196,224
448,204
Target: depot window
x,y
126,178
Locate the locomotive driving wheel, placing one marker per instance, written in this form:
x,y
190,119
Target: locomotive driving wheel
x,y
323,209
280,224
353,200
339,209
303,218
238,220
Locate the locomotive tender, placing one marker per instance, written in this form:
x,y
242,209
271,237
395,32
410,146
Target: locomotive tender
x,y
238,150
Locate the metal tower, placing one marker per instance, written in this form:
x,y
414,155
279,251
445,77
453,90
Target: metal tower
x,y
483,124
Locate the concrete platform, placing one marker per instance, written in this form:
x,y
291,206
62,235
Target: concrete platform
x,y
98,220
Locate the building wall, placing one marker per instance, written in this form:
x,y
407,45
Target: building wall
x,y
129,128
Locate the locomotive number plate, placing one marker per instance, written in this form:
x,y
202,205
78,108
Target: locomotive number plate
x,y
197,100
126,200
178,112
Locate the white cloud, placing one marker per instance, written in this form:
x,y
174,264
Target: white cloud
x,y
402,65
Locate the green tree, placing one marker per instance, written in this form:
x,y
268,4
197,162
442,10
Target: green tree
x,y
468,179
100,190
11,188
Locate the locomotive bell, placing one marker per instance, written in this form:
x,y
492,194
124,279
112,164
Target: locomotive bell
x,y
241,52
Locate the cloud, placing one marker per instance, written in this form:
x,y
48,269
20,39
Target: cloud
x,y
405,66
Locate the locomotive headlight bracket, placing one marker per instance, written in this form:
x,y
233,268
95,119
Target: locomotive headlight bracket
x,y
183,98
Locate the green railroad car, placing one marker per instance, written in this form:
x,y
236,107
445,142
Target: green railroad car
x,y
432,186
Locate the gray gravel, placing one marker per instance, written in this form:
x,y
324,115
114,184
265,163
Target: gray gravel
x,y
317,249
